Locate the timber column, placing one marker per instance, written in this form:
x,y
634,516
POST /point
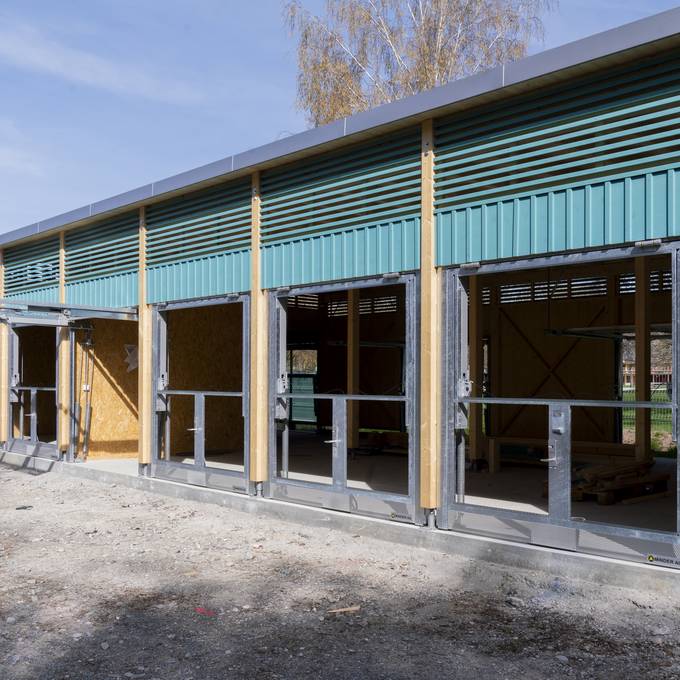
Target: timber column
x,y
4,362
259,348
430,346
145,353
64,386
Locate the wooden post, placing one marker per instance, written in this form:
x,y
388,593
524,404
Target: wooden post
x,y
144,353
4,362
64,386
429,331
353,349
259,348
642,359
476,355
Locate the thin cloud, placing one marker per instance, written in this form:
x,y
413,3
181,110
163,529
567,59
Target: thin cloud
x,y
28,48
19,162
16,155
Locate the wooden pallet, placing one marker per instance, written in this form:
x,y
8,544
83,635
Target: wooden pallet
x,y
609,484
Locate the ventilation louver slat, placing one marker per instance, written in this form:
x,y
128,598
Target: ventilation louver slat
x,y
366,184
32,270
103,249
599,128
199,225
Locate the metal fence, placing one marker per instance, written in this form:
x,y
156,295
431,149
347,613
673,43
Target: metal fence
x,y
662,418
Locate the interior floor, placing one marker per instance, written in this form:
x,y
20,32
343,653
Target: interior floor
x,y
310,460
123,466
223,459
521,488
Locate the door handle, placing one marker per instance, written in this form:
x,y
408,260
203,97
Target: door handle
x,y
332,441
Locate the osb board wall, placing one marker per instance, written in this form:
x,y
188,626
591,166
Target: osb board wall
x,y
37,365
380,368
205,352
114,427
525,360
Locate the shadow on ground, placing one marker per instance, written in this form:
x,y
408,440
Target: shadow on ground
x,y
27,467
199,629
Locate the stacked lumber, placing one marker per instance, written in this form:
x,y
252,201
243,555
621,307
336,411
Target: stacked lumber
x,y
619,483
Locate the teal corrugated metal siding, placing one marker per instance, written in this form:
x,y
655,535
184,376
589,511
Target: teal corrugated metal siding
x,y
214,275
102,262
602,214
199,245
563,169
365,251
343,214
47,294
32,271
117,290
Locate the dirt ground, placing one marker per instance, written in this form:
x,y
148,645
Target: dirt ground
x,y
101,581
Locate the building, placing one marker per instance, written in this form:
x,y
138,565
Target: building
x,y
416,313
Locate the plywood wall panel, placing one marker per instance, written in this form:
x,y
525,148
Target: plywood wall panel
x,y
114,430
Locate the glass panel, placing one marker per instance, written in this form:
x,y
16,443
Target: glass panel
x,y
377,446
177,434
224,433
624,484
508,472
304,448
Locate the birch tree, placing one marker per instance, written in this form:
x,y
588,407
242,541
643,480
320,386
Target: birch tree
x,y
362,53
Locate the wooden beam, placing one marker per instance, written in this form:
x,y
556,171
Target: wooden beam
x,y
642,359
429,331
259,348
144,353
64,350
353,349
4,362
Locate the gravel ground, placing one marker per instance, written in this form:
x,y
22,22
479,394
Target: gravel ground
x,y
102,581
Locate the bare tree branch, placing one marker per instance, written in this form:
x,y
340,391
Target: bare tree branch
x,y
366,52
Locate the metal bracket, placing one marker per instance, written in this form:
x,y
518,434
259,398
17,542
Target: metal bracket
x,y
464,387
650,243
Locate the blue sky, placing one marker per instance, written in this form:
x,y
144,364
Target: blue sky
x,y
101,96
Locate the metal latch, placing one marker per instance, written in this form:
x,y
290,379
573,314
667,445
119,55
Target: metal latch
x,y
551,451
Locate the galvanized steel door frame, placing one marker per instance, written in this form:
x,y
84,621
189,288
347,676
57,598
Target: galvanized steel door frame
x,y
199,473
337,495
26,313
31,446
557,528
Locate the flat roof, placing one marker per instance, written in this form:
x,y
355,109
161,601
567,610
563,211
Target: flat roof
x,y
611,47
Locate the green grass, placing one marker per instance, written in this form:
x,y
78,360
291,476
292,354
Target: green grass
x,y
661,418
